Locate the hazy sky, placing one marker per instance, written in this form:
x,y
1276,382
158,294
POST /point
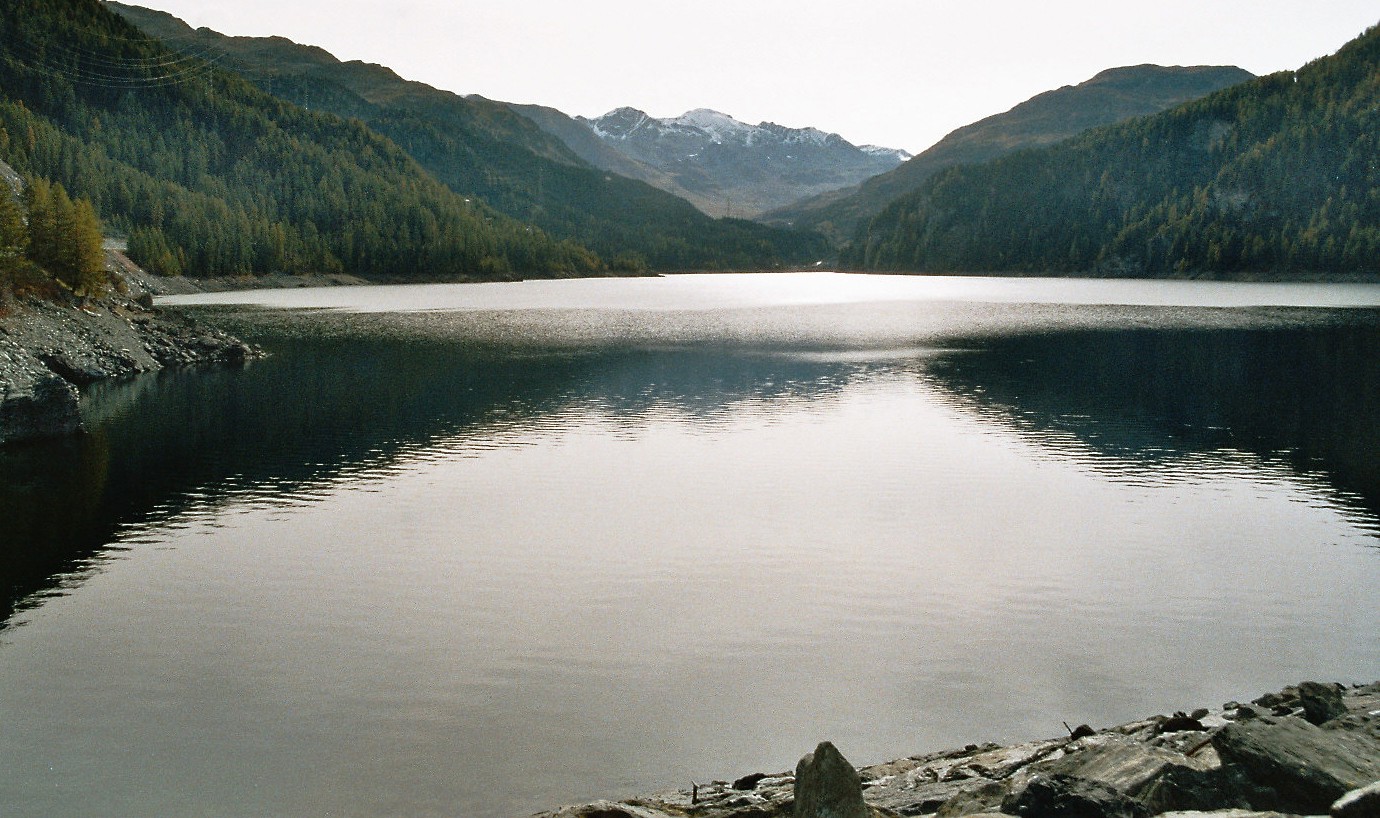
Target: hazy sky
x,y
899,73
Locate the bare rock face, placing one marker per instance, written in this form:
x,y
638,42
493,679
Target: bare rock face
x,y
34,403
827,786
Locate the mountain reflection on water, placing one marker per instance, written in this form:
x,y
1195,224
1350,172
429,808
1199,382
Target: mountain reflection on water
x,y
1305,396
337,399
318,410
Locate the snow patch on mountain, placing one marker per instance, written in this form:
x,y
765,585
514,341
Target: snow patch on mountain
x,y
728,167
881,152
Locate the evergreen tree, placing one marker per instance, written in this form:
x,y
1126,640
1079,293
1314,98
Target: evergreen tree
x,y
1275,176
14,240
64,237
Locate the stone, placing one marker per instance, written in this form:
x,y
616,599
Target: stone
x,y
1125,765
922,799
827,786
1067,796
1185,788
1243,712
1224,814
1178,723
47,406
980,800
608,809
1307,767
1359,803
1321,702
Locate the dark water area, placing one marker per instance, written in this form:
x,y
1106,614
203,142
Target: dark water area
x,y
317,409
489,561
1305,396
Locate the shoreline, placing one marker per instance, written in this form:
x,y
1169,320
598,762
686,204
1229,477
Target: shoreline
x,y
1295,752
51,349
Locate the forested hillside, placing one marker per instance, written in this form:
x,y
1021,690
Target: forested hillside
x,y
1279,176
484,150
1113,95
209,175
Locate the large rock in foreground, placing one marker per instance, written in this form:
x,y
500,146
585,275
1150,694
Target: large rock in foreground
x,y
1306,767
827,786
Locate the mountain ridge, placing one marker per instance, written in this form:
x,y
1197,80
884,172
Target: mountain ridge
x,y
1109,96
208,175
723,166
485,149
1276,177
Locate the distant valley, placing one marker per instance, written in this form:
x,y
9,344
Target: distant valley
x,y
723,166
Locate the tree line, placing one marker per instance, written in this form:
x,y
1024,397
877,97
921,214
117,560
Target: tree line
x,y
50,237
1276,176
207,175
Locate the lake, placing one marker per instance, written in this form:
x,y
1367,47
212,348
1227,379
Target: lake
x,y
487,549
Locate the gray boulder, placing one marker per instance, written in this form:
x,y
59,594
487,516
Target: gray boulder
x,y
37,407
1306,767
981,800
827,786
608,809
1360,803
1120,762
1067,796
1321,702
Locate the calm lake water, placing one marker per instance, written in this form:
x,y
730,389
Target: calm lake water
x,y
481,550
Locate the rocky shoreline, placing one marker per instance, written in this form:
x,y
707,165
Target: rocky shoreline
x,y
49,349
1312,749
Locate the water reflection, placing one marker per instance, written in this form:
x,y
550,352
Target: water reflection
x,y
1306,397
324,408
339,398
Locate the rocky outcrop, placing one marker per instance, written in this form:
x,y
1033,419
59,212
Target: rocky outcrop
x,y
1241,761
1298,766
1361,803
827,786
48,349
1321,702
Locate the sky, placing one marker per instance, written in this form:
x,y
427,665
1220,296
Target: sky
x,y
897,73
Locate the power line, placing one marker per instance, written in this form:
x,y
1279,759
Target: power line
x,y
94,68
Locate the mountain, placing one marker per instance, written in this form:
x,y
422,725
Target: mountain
x,y
1112,96
207,174
1279,176
725,167
482,149
580,139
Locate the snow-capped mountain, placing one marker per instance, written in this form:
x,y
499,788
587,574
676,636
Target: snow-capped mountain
x,y
728,167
